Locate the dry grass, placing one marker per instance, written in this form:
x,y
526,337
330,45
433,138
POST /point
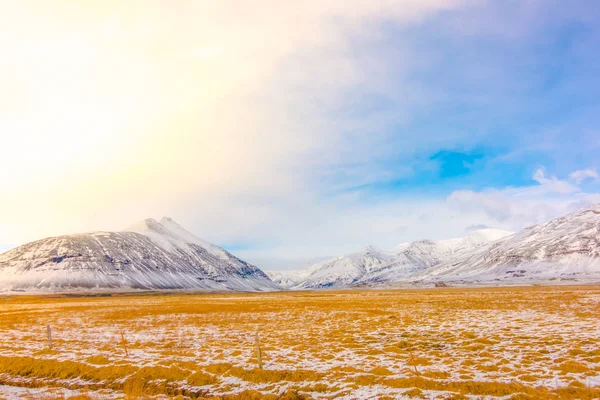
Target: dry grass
x,y
516,343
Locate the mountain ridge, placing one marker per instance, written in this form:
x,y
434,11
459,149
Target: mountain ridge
x,y
566,247
151,255
371,265
162,255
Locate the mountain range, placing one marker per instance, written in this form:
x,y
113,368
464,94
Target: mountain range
x,y
565,249
161,255
372,265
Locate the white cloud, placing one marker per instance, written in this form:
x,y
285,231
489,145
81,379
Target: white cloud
x,y
583,174
476,227
514,208
552,184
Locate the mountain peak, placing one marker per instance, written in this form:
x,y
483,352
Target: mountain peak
x,y
144,226
370,249
594,208
167,233
164,226
171,225
488,234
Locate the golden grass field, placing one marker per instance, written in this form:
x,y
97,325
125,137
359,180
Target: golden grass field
x,y
446,343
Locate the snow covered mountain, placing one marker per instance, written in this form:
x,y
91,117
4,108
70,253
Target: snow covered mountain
x,y
371,265
566,248
418,257
287,279
162,255
150,255
345,270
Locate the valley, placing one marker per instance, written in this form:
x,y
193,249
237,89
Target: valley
x,y
443,343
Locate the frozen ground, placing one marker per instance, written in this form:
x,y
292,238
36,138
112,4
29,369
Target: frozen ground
x,y
436,343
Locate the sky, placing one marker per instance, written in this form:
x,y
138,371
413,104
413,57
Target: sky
x,y
288,132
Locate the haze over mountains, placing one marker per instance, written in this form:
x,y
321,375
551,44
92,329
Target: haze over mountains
x,y
153,255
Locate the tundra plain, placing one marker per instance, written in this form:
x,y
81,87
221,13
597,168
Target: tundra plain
x,y
443,343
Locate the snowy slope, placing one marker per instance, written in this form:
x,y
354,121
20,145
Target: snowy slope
x,y
432,252
371,265
421,255
564,248
150,255
287,279
344,271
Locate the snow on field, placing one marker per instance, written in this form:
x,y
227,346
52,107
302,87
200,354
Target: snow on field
x,y
483,343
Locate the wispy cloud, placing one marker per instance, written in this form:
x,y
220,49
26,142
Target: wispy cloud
x,y
583,174
551,184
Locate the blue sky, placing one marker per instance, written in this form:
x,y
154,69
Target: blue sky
x,y
503,103
288,133
491,95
